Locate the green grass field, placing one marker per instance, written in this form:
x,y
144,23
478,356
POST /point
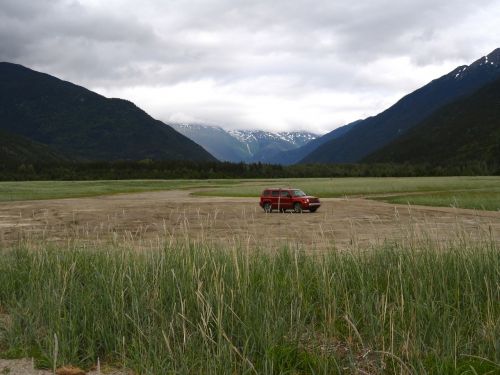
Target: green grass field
x,y
463,192
481,200
33,190
365,186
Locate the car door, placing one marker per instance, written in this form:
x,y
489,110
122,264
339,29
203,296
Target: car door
x,y
275,199
286,200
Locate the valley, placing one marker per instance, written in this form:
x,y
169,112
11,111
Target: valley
x,y
138,245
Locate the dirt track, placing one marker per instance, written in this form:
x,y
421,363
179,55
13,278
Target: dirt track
x,y
26,367
150,219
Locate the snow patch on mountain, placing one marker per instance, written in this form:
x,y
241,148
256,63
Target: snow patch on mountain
x,y
491,61
297,137
243,145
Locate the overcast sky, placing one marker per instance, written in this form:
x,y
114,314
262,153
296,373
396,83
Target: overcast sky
x,y
275,64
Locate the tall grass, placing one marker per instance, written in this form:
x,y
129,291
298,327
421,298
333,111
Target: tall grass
x,y
193,309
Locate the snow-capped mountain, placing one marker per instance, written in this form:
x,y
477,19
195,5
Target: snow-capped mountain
x,y
295,138
243,145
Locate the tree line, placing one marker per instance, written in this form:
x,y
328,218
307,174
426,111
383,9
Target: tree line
x,y
149,169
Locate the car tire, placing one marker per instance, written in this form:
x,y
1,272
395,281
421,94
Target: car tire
x,y
297,208
313,209
268,208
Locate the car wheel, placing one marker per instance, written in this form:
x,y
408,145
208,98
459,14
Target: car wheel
x,y
297,208
313,209
268,208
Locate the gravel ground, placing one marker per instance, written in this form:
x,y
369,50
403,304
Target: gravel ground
x,y
25,367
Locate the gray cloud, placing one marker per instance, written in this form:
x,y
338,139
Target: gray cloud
x,y
310,60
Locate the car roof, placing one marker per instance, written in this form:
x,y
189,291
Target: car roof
x,y
285,188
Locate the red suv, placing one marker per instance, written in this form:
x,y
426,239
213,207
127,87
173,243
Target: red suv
x,y
283,199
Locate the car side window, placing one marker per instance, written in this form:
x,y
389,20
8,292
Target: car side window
x,y
285,194
266,193
275,193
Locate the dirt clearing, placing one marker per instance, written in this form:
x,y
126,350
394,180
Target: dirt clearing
x,y
150,219
27,367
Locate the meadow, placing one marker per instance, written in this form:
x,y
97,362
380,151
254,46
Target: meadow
x,y
481,199
461,192
481,193
35,190
417,304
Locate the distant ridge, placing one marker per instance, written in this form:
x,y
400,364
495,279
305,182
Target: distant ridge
x,y
249,146
74,121
294,156
375,132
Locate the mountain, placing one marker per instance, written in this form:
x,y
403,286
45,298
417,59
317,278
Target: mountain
x,y
465,130
295,155
243,145
215,140
375,132
82,124
15,149
263,145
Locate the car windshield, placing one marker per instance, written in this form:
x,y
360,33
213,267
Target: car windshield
x,y
299,193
